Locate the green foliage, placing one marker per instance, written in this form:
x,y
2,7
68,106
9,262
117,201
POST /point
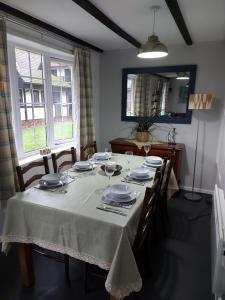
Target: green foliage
x,y
142,126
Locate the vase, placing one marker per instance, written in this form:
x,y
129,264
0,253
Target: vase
x,y
142,136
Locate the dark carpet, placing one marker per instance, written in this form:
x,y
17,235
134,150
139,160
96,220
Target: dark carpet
x,y
180,265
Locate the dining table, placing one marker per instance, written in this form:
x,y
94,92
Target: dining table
x,y
73,220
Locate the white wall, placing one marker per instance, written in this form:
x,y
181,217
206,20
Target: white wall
x,y
221,153
210,60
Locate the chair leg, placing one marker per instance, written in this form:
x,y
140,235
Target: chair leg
x,y
66,265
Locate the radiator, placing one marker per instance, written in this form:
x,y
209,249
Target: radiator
x,y
218,244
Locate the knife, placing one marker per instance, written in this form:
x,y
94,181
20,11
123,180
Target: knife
x,y
112,210
134,182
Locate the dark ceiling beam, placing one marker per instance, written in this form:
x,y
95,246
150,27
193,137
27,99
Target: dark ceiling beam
x,y
178,18
100,16
23,16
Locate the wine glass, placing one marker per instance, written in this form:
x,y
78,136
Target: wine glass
x,y
110,168
63,178
91,162
147,149
128,158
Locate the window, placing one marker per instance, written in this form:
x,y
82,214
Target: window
x,y
42,102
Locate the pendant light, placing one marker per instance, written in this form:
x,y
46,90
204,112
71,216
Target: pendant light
x,y
153,48
182,76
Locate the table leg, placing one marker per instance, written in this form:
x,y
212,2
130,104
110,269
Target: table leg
x,y
26,264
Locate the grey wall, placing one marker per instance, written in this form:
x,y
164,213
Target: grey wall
x,y
210,60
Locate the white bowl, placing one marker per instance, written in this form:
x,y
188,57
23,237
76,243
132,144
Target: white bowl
x,y
140,172
82,164
50,179
102,155
120,190
154,160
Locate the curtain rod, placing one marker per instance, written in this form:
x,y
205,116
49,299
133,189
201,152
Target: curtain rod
x,y
18,14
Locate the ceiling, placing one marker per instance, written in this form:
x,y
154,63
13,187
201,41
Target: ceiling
x,y
204,19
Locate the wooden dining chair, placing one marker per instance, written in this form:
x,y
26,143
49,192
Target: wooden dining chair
x,y
21,172
163,208
90,148
146,226
55,157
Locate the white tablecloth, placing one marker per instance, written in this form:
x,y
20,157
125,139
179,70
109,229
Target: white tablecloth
x,y
70,223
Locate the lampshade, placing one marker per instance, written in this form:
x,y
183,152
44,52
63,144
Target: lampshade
x,y
200,101
153,48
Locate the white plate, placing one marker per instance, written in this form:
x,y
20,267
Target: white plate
x,y
108,197
140,172
152,165
147,177
120,190
153,160
83,168
102,155
49,179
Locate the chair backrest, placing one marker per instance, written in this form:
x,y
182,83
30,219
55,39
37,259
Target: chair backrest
x,y
71,152
166,178
162,172
147,215
90,148
21,171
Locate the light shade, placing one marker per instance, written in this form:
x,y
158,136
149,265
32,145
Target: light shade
x,y
153,48
200,101
182,76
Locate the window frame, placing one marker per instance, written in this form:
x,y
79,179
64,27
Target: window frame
x,y
48,55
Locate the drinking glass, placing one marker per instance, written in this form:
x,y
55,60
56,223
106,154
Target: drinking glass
x,y
110,168
128,158
147,149
63,178
91,162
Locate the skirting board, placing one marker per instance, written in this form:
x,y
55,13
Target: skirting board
x,y
197,190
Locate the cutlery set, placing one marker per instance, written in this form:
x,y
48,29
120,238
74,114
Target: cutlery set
x,y
112,210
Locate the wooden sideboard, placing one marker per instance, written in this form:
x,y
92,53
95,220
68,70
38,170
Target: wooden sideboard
x,y
163,150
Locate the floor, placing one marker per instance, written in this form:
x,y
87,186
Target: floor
x,y
180,265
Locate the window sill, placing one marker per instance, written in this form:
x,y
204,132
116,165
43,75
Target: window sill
x,y
36,157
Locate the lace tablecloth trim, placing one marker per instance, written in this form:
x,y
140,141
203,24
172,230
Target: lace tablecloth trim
x,y
141,144
57,248
120,294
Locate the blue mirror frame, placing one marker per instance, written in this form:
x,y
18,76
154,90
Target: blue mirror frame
x,y
184,118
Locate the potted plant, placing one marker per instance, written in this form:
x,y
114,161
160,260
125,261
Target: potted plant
x,y
142,130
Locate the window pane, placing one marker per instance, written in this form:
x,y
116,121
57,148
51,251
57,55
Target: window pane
x,y
34,138
22,62
63,121
62,100
31,99
36,65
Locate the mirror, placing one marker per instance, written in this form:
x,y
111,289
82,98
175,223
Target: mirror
x,y
160,93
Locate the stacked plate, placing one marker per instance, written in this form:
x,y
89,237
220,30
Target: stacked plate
x,y
140,173
153,161
119,193
82,166
50,181
102,155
